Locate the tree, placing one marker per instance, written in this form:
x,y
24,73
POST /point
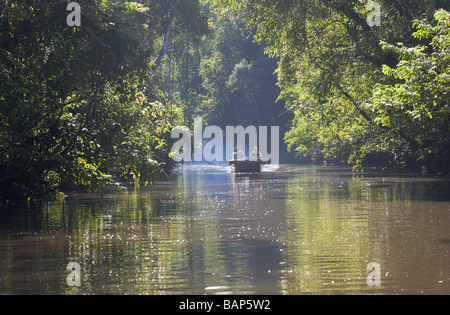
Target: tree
x,y
79,107
419,104
330,61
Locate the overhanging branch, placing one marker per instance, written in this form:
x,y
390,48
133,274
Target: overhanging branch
x,y
413,143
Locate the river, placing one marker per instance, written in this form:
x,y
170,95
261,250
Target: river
x,y
206,230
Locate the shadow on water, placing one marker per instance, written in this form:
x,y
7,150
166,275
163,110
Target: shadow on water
x,y
207,230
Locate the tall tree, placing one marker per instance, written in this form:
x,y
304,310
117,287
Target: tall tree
x,y
78,105
419,103
330,60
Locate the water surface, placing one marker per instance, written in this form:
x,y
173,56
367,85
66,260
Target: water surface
x,y
288,230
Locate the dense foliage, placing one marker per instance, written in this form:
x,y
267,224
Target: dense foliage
x,y
419,104
344,84
79,106
224,77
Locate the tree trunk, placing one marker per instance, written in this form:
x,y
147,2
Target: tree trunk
x,y
163,51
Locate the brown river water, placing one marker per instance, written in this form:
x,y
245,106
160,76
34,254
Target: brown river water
x,y
289,230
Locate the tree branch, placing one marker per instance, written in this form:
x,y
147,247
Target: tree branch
x,y
413,143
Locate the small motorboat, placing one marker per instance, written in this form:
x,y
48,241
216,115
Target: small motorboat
x,y
246,166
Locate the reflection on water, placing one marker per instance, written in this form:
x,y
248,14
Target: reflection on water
x,y
288,230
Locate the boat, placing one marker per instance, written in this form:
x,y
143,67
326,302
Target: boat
x,y
246,166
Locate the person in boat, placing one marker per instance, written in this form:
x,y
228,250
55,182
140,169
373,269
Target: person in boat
x,y
256,153
238,155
